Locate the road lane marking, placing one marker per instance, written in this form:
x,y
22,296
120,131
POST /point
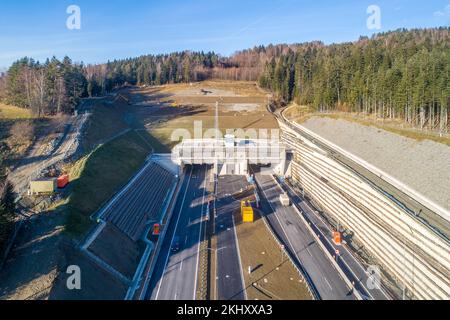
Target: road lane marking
x,y
200,233
325,251
314,213
276,213
173,237
239,256
331,288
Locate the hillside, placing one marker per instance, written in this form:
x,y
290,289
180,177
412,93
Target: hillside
x,y
420,164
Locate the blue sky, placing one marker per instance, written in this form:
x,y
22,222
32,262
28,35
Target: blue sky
x,y
119,28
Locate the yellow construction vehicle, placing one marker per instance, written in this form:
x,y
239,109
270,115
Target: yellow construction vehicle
x,y
248,215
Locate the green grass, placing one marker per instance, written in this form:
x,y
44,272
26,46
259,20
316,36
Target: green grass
x,y
100,175
106,122
155,142
14,113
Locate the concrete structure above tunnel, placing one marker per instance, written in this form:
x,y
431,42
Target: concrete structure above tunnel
x,y
231,156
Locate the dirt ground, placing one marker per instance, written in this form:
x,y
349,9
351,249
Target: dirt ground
x,y
32,266
96,283
273,275
53,139
117,250
36,266
167,109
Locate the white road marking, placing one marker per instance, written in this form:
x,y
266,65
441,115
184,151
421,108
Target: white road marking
x,y
329,242
331,288
276,213
173,237
239,256
200,233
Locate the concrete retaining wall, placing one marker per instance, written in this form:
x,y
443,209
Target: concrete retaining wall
x,y
412,253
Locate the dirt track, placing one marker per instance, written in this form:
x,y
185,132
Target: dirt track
x,y
35,267
31,166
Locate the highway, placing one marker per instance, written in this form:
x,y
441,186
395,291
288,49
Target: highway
x,y
175,273
300,244
229,279
348,263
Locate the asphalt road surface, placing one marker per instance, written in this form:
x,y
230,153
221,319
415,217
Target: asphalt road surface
x,y
229,279
175,274
348,263
300,244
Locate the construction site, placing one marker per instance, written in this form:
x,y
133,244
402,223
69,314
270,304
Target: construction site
x,y
228,217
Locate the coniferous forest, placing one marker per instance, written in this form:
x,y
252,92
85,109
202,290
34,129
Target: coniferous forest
x,y
404,74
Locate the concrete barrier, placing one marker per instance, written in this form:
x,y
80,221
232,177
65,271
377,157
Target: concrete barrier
x,y
410,251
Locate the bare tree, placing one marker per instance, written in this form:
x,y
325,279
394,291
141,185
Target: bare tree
x,y
21,133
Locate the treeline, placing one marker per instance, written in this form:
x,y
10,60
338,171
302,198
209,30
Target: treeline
x,y
52,87
180,67
402,74
57,86
151,70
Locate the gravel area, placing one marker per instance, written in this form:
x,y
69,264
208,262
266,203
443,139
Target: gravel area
x,y
242,107
422,165
208,92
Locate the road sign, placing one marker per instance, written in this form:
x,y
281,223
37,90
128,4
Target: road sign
x,y
337,238
156,229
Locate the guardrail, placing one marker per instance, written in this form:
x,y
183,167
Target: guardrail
x,y
322,247
388,232
148,250
301,271
158,246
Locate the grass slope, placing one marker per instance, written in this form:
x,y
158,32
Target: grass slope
x,y
105,122
14,113
97,177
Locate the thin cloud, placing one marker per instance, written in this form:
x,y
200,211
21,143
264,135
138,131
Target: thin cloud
x,y
443,13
